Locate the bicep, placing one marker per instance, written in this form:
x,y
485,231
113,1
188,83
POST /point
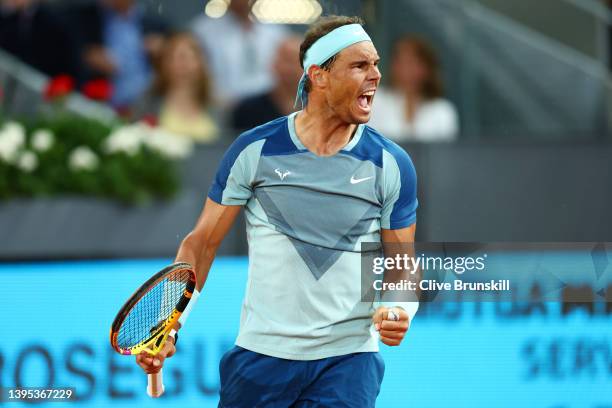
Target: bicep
x,y
398,235
200,245
215,222
398,241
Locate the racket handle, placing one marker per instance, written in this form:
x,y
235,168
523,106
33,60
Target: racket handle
x,y
155,385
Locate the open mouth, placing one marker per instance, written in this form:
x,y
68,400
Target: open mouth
x,y
365,100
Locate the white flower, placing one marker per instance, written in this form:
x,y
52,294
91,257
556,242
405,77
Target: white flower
x,y
126,139
16,129
168,144
130,139
12,139
82,158
27,161
42,140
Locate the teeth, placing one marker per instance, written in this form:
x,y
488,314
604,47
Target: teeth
x,y
369,93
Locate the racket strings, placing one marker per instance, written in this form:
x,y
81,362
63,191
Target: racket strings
x,y
152,310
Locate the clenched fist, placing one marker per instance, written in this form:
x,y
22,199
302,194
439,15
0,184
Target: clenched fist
x,y
152,364
391,331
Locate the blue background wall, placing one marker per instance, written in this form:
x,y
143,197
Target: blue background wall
x,y
57,319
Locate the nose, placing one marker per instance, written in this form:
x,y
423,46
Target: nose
x,y
375,74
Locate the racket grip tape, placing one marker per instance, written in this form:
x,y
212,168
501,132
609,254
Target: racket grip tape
x,y
155,385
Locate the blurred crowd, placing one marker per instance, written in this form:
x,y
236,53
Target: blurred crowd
x,y
216,73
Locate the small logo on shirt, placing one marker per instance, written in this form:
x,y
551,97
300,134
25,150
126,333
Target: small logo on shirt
x,y
281,174
355,181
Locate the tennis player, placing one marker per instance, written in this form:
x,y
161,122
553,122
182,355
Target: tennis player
x,y
314,185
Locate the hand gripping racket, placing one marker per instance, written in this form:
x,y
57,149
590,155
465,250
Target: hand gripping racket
x,y
146,319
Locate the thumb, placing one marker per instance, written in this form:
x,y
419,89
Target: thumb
x,y
160,357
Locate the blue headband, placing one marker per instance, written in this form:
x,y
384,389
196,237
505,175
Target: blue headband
x,y
325,48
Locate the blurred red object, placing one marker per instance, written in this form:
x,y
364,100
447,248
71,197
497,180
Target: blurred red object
x,y
150,120
58,87
98,89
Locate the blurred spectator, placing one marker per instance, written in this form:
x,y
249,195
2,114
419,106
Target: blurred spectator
x,y
33,32
118,41
262,108
180,95
414,108
240,51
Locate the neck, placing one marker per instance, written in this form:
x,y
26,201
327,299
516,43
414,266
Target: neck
x,y
411,93
412,102
181,89
322,131
182,97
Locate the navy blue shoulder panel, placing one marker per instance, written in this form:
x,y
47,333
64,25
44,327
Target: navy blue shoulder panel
x,y
404,209
281,143
373,143
267,130
370,146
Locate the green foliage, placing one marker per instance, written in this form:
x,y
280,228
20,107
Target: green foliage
x,y
130,178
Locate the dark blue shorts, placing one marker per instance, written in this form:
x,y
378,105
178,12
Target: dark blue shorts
x,y
250,380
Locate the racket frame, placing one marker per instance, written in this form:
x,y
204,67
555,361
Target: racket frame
x,y
153,344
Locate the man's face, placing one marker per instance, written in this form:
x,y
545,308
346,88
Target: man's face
x,y
352,81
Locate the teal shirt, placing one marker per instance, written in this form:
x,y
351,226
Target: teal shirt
x,y
306,216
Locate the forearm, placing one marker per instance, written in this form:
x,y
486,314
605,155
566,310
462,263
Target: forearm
x,y
193,252
200,246
400,243
198,254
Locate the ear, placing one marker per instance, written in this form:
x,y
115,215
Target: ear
x,y
318,76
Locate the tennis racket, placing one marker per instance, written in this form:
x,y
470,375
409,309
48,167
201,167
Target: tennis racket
x,y
146,319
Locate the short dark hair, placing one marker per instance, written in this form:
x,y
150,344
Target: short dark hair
x,y
320,28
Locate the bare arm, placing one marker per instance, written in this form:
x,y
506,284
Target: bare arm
x,y
392,332
200,245
399,242
198,249
399,235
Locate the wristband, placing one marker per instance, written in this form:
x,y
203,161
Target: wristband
x,y
190,305
174,334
